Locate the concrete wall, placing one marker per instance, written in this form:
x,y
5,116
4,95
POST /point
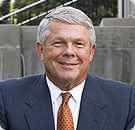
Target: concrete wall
x,y
10,51
32,63
129,7
114,56
118,22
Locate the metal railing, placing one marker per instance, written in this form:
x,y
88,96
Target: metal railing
x,y
33,13
22,9
43,14
35,17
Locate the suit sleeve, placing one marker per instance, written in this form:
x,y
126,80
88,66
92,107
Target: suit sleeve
x,y
3,122
131,118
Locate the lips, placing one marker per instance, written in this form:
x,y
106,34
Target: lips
x,y
67,64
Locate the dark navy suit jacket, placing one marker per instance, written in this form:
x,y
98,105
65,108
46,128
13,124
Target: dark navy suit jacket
x,y
25,104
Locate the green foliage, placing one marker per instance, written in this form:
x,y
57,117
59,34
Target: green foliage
x,y
24,15
95,9
34,11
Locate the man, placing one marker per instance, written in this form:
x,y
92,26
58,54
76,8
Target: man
x,y
66,45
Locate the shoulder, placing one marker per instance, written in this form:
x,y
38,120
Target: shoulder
x,y
108,82
112,86
19,83
16,91
119,97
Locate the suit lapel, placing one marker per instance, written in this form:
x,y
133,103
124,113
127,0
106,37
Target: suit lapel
x,y
38,112
91,114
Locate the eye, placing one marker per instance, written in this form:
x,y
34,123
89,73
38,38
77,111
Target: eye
x,y
79,44
58,43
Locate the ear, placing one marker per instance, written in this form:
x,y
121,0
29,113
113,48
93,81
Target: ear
x,y
40,51
92,51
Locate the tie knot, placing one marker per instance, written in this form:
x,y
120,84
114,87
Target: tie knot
x,y
65,97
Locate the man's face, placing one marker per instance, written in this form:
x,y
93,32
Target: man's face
x,y
66,54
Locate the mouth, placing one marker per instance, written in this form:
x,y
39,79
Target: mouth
x,y
67,64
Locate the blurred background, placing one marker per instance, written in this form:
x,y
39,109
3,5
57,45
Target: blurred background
x,y
96,9
114,22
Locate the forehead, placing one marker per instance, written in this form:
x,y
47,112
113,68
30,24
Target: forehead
x,y
62,28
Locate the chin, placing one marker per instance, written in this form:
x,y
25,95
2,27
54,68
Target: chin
x,y
68,79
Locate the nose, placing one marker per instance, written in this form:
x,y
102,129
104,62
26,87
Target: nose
x,y
69,50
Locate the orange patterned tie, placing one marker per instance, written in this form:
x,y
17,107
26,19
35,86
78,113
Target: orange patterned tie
x,y
65,119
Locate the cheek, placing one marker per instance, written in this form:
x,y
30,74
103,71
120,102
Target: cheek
x,y
84,55
51,53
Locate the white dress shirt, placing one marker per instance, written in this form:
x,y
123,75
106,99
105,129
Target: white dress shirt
x,y
74,101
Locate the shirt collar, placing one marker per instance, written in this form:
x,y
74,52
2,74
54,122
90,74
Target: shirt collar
x,y
55,91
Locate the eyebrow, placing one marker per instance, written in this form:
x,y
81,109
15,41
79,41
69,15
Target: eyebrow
x,y
60,38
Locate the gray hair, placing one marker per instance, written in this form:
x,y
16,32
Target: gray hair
x,y
65,14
